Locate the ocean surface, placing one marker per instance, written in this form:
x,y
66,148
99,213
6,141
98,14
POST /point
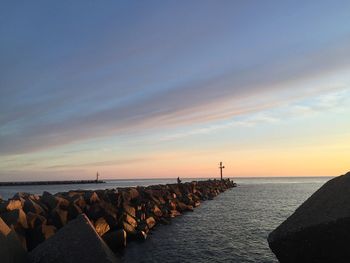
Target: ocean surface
x,y
231,228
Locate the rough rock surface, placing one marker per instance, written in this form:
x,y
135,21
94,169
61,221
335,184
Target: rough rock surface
x,y
118,215
116,239
11,250
75,242
319,230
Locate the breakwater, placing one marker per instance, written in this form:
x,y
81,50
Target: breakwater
x,y
117,216
52,182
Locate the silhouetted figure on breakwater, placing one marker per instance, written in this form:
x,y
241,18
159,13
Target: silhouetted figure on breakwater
x,y
178,180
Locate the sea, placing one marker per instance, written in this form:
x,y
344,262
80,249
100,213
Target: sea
x,y
231,228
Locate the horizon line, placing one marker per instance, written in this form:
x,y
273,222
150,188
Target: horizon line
x,y
185,178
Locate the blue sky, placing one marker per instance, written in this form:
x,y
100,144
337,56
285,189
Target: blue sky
x,y
126,86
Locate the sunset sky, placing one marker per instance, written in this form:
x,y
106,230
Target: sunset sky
x,y
145,89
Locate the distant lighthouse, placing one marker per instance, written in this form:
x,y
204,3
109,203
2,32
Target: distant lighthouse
x,y
97,175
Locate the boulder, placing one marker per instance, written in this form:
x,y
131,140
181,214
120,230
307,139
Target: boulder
x,y
143,227
174,213
109,212
48,230
319,230
134,193
11,250
10,205
172,205
116,240
38,230
140,215
34,237
21,236
129,229
151,222
79,201
141,235
73,211
91,197
59,217
75,242
109,209
14,204
101,226
16,218
130,220
35,220
74,194
130,194
130,210
62,202
37,235
157,211
49,200
95,211
183,207
32,206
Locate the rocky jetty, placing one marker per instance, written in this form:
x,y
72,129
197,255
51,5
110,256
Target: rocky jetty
x,y
319,230
43,228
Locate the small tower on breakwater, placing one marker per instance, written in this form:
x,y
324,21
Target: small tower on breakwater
x,y
221,167
97,175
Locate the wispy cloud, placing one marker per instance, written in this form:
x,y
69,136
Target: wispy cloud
x,y
75,86
115,162
243,122
226,96
334,99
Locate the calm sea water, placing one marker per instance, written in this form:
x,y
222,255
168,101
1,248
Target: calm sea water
x,y
231,228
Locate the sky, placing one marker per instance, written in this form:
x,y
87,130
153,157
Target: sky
x,y
150,89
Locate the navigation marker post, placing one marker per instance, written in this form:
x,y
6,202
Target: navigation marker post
x,y
221,167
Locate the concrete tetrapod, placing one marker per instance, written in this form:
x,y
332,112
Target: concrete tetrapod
x,y
77,241
319,230
11,251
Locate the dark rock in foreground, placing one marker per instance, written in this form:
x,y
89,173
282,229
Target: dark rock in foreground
x,y
75,242
319,230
